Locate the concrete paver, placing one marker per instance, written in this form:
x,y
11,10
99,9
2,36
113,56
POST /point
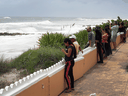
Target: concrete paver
x,y
107,79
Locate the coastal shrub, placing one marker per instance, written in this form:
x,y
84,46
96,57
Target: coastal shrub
x,y
56,40
82,38
52,40
49,56
33,60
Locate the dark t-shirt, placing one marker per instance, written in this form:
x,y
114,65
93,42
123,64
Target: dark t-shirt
x,y
123,29
72,53
98,36
109,38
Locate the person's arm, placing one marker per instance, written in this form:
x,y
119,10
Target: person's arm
x,y
102,30
80,49
109,24
69,52
90,43
120,26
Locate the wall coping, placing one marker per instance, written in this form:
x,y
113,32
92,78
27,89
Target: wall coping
x,y
90,49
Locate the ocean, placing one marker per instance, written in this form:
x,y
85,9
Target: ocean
x,y
34,27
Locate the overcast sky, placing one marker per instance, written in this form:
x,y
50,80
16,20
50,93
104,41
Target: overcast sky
x,y
65,8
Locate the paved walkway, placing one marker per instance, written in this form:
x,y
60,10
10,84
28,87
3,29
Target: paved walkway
x,y
108,79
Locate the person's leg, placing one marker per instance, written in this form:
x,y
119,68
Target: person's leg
x,y
99,52
107,49
120,38
71,74
124,37
114,43
104,50
66,72
110,50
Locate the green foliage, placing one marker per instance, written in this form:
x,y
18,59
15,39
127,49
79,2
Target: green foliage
x,y
82,38
36,59
103,25
52,40
4,67
119,20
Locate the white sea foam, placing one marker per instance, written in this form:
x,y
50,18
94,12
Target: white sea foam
x,y
7,17
13,46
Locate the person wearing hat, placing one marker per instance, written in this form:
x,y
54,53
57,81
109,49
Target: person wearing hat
x,y
76,44
91,36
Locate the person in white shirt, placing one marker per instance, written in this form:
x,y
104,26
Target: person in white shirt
x,y
114,30
76,44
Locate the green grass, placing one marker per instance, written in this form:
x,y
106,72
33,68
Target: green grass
x,y
32,60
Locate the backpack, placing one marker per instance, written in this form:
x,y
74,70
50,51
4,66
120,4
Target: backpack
x,y
74,51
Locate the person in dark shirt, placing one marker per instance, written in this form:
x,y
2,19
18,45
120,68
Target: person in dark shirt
x,y
69,58
109,40
98,38
123,29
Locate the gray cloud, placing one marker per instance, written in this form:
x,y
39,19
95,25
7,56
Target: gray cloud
x,y
126,1
62,8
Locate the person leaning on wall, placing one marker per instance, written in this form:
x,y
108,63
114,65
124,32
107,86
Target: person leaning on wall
x,y
105,41
77,46
91,37
123,29
69,58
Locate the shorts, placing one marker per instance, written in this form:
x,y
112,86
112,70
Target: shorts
x,y
113,38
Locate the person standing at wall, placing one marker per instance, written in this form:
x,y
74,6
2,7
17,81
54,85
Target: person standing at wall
x,y
114,33
77,46
105,41
69,58
109,40
98,39
123,29
91,36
